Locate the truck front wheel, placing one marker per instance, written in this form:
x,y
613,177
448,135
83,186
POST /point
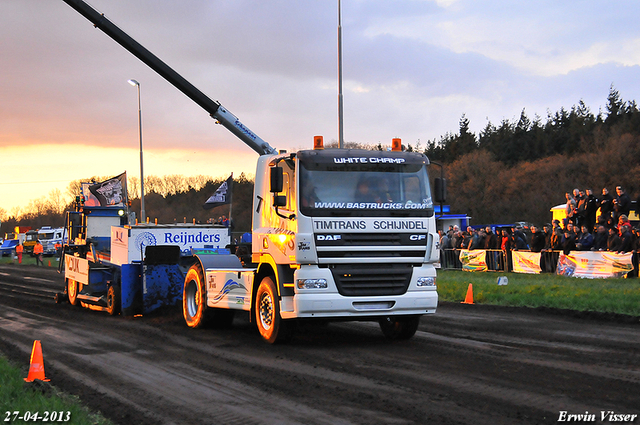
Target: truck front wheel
x,y
267,313
398,328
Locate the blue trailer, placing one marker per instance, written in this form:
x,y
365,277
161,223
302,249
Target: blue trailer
x,y
118,267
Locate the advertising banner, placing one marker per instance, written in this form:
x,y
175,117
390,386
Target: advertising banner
x,y
128,244
526,262
598,264
473,261
76,268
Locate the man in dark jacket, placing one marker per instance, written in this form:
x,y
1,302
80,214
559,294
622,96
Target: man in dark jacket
x,y
600,239
606,206
613,242
621,204
591,209
537,239
626,239
585,240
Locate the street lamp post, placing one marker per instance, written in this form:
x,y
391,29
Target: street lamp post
x,y
143,216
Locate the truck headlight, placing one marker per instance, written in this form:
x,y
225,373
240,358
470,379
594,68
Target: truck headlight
x,y
426,281
312,283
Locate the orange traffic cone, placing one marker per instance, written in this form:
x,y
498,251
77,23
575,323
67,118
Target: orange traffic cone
x,y
469,298
49,263
36,369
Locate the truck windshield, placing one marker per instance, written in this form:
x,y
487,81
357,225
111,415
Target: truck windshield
x,y
45,236
364,183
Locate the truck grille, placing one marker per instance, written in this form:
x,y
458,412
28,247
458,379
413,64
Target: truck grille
x,y
372,247
372,279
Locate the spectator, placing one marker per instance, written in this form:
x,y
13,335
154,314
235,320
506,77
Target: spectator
x,y
613,241
520,241
490,240
506,244
568,240
600,239
445,240
636,239
556,239
606,207
571,229
581,209
570,208
591,210
19,251
38,252
626,239
623,220
456,239
547,229
537,239
491,243
585,240
621,204
468,238
58,248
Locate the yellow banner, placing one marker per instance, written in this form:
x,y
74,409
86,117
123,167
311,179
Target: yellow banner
x,y
526,262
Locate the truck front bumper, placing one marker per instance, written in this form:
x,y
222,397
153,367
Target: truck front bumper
x,y
329,303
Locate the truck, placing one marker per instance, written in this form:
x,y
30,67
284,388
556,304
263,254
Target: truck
x,y
30,239
50,237
337,234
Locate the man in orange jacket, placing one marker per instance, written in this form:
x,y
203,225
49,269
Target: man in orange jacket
x,y
19,251
38,252
58,248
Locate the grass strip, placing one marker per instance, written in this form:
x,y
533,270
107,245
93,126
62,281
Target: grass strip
x,y
21,399
620,296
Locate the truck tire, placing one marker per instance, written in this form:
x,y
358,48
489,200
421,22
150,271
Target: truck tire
x,y
194,298
72,292
399,328
113,300
267,313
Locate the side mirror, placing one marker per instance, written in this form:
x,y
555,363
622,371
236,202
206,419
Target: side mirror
x,y
279,201
276,180
440,190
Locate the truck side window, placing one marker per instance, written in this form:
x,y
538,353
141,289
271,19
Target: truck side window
x,y
286,190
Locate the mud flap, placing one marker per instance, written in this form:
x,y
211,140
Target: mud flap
x,y
161,285
162,278
131,289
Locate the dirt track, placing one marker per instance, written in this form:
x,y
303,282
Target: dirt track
x,y
468,364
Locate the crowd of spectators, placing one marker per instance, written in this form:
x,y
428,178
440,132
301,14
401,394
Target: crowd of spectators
x,y
583,229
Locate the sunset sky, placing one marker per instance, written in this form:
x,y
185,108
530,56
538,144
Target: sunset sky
x,y
412,68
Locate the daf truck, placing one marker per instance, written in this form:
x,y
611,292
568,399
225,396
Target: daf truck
x,y
337,234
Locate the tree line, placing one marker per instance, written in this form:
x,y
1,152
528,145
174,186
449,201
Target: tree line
x,y
515,171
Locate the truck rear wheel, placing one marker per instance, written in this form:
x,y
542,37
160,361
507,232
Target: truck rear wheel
x,y
399,328
267,313
113,300
72,291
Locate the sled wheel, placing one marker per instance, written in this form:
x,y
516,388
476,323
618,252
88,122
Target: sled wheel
x,y
113,300
72,292
398,328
